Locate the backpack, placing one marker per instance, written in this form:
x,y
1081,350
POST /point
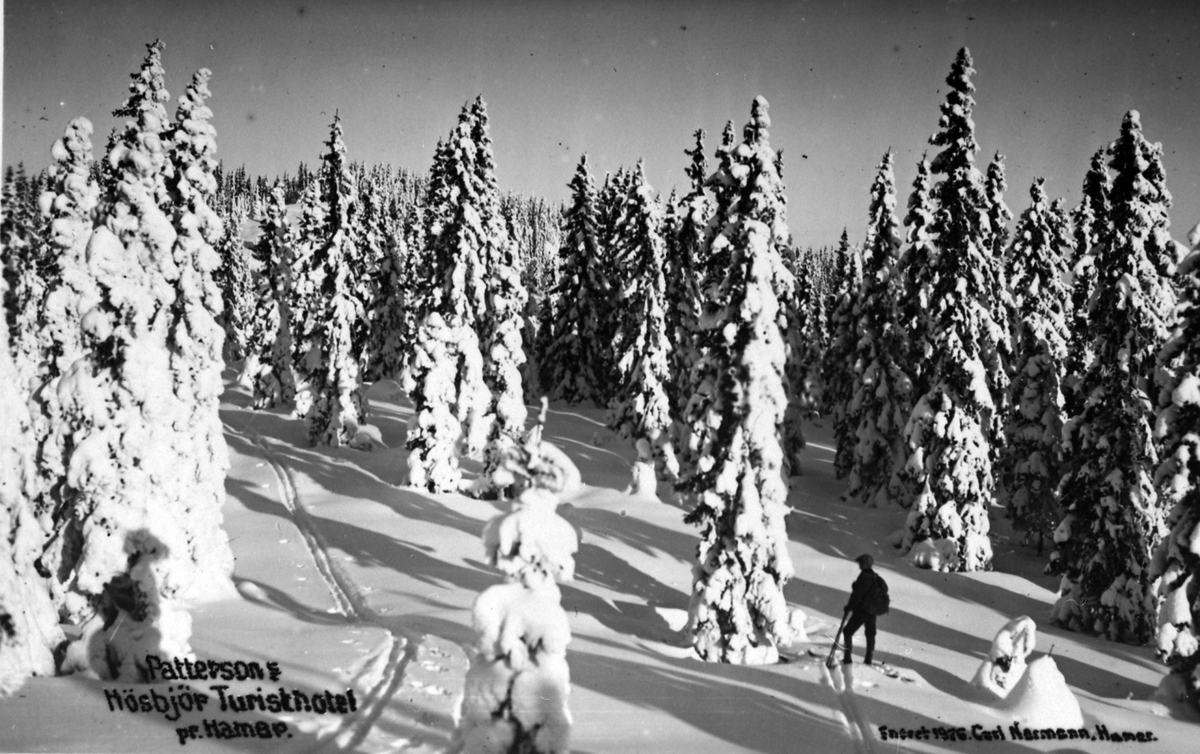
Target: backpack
x,y
878,601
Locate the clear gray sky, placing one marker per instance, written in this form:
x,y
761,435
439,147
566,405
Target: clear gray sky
x,y
623,81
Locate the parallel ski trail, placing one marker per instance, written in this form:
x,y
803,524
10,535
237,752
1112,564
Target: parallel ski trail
x,y
350,603
841,680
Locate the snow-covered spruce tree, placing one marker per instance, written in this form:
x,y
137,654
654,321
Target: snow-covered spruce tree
x,y
1176,562
274,383
1114,517
236,285
307,240
369,269
515,693
68,207
389,315
838,365
443,376
611,216
914,273
196,340
806,338
640,409
23,250
998,346
500,328
1091,222
694,428
683,276
387,311
950,460
881,392
795,347
334,361
1029,466
738,611
29,630
567,369
125,549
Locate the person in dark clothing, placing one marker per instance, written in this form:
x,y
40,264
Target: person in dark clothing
x,y
865,605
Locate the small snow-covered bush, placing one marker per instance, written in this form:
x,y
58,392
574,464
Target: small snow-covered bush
x,y
515,693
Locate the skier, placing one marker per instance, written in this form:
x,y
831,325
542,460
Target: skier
x,y
868,600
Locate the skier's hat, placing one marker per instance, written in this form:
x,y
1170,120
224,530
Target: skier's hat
x,y
865,560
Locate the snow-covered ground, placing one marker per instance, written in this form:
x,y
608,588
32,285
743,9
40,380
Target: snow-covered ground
x,y
354,586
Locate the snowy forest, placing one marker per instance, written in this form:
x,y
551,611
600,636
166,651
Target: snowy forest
x,y
971,369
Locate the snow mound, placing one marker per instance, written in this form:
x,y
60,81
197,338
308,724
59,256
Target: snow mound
x,y
643,483
1042,700
1003,669
796,620
368,438
936,554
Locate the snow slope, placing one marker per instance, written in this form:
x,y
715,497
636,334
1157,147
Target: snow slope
x,y
357,587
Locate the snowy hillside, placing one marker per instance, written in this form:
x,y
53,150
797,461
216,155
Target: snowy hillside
x,y
352,585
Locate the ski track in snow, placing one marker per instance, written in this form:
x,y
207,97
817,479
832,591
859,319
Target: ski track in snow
x,y
841,681
351,604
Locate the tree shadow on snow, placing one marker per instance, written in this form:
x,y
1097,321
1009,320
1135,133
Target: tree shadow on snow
x,y
636,532
764,709
278,599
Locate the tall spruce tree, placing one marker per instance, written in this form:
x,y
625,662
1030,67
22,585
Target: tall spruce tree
x,y
684,270
640,409
1030,465
788,292
444,374
950,461
370,267
738,610
880,395
611,214
389,315
23,257
236,284
568,371
1114,517
998,347
69,206
695,431
196,339
1176,563
806,335
308,238
337,347
838,365
915,274
274,384
500,329
1091,223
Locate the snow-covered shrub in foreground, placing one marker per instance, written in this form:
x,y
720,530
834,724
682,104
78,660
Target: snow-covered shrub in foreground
x,y
1042,698
515,693
1005,665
